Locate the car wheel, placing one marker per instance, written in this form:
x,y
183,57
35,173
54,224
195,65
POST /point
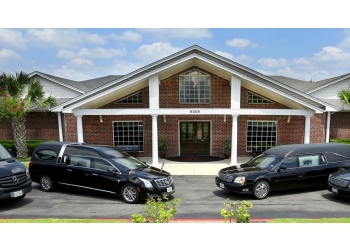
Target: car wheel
x,y
19,197
261,189
46,183
130,193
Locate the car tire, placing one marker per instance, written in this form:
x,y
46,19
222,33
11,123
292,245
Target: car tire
x,y
19,197
46,183
130,194
261,189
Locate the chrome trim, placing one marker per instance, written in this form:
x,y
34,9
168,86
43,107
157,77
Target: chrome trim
x,y
62,183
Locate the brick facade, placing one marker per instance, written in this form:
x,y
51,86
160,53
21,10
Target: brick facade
x,y
45,125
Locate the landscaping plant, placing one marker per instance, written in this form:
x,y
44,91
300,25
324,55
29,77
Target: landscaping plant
x,y
236,209
159,210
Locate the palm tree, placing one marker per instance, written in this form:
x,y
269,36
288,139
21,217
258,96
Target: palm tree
x,y
344,96
19,93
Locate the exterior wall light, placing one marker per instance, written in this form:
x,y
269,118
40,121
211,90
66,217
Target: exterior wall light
x,y
288,120
101,120
164,118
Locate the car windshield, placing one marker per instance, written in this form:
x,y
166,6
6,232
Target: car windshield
x,y
128,163
265,161
4,154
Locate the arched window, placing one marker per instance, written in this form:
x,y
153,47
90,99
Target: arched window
x,y
194,87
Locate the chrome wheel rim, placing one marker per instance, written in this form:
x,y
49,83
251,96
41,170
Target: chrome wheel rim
x,y
46,183
129,194
261,190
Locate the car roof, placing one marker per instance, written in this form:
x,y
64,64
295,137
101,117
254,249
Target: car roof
x,y
291,149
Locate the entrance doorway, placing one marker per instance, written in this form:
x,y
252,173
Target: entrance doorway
x,y
194,138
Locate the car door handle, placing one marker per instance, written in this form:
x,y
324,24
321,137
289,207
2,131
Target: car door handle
x,y
91,174
69,170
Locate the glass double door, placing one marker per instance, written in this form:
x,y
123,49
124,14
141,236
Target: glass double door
x,y
194,138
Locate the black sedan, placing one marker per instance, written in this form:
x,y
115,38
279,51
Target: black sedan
x,y
97,168
285,167
339,183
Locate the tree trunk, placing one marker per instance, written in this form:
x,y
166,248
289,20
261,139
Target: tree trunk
x,y
19,134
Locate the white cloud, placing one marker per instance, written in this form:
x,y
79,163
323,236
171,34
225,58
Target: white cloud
x,y
272,63
100,53
128,36
66,54
121,67
243,59
7,55
179,33
240,43
12,38
330,54
62,38
155,51
81,63
69,73
302,61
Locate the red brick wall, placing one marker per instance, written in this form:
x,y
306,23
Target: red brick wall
x,y
39,126
340,126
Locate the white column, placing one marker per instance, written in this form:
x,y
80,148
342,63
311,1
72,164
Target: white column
x,y
307,130
80,128
60,134
235,92
234,141
153,83
154,141
328,126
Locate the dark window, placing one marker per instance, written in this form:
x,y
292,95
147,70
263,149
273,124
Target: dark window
x,y
46,154
261,135
72,150
136,98
102,164
128,134
290,162
80,161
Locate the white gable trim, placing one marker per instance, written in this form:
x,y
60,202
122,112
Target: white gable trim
x,y
56,81
328,84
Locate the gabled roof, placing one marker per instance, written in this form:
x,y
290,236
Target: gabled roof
x,y
195,56
80,86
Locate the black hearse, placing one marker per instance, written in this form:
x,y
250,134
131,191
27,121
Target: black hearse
x,y
285,167
98,168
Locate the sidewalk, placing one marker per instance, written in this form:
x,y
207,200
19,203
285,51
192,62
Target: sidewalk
x,y
193,168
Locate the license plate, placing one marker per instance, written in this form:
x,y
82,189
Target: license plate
x,y
222,185
334,190
16,193
169,189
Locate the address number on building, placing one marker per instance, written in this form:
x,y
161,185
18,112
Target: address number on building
x,y
195,111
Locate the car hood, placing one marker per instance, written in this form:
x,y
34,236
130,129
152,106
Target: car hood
x,y
10,167
150,173
239,170
342,175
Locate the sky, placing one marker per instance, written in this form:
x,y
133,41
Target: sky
x,y
80,47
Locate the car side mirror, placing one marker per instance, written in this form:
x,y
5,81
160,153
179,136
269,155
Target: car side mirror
x,y
112,170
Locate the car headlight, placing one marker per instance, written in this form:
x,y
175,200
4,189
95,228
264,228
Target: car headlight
x,y
27,174
147,183
240,179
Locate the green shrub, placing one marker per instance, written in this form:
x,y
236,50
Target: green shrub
x,y
345,141
31,144
236,209
157,211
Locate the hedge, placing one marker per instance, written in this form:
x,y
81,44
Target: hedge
x,y
31,144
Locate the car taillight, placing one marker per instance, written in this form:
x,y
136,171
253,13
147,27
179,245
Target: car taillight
x,y
30,163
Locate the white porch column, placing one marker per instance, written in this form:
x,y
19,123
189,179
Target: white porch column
x,y
307,129
153,92
328,125
235,92
80,128
154,141
60,134
234,141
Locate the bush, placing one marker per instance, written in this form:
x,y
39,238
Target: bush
x,y
157,211
236,209
31,144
